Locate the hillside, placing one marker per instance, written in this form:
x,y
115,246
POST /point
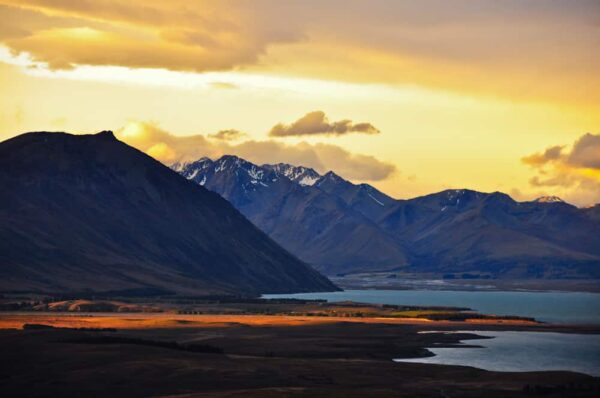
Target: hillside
x,y
90,214
319,228
342,227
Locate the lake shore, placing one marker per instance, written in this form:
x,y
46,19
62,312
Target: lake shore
x,y
436,281
550,307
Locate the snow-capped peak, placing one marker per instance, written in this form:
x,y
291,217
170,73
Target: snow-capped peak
x,y
549,199
300,174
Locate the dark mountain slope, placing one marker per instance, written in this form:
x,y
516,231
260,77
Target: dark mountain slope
x,y
463,230
360,197
317,227
89,213
343,227
304,176
593,212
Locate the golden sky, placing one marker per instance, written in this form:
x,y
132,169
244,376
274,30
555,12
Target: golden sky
x,y
410,96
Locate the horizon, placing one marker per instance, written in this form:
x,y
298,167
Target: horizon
x,y
321,174
408,97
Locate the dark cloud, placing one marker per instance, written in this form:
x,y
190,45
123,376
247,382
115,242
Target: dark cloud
x,y
317,123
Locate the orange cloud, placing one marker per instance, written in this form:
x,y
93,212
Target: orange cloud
x,y
574,172
227,135
586,152
316,122
190,36
169,148
460,45
539,159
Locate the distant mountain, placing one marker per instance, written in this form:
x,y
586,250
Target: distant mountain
x,y
302,175
548,199
91,214
287,203
490,233
342,227
593,212
362,197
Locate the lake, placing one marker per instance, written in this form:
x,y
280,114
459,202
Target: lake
x,y
522,352
553,307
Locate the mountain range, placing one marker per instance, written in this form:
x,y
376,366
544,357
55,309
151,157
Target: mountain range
x,y
341,227
286,202
90,214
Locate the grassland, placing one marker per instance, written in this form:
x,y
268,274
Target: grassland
x,y
252,348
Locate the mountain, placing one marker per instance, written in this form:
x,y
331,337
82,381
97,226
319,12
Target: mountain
x,y
286,202
593,212
362,197
341,227
490,233
300,174
87,213
548,199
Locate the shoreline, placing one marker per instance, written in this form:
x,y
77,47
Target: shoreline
x,y
382,281
168,354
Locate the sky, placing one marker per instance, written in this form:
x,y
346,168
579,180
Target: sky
x,y
411,97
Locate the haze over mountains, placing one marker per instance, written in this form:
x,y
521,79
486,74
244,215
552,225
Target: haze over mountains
x,y
341,227
89,214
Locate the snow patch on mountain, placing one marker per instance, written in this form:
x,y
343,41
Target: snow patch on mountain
x,y
304,176
549,199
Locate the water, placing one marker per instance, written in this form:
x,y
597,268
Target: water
x,y
523,351
553,307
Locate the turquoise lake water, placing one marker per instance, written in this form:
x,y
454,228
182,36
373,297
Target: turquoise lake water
x,y
553,307
507,350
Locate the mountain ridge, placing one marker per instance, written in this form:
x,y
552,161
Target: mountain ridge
x,y
314,225
453,230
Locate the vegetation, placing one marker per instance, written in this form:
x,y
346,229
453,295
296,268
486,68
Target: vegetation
x,y
199,348
231,305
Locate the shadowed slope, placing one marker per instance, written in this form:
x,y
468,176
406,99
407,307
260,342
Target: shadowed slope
x,y
343,227
89,213
320,228
464,230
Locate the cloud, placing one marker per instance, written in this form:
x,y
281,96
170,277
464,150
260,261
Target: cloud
x,y
353,166
539,159
573,173
224,86
586,152
169,148
460,45
179,35
317,123
163,145
227,135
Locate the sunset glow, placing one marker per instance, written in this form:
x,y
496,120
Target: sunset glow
x,y
420,96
